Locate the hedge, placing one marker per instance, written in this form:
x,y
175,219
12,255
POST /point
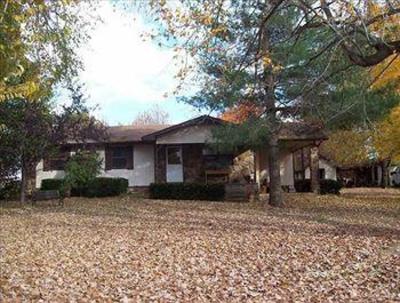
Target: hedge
x,y
187,191
98,187
327,186
106,187
51,184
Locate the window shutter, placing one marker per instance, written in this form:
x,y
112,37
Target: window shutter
x,y
108,158
130,158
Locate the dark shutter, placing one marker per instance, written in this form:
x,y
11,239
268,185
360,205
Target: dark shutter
x,y
46,164
108,157
129,160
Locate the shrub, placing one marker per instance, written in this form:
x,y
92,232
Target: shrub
x,y
187,191
81,169
303,186
52,184
105,187
327,186
10,190
97,187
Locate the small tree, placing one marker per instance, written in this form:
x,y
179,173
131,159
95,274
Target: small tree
x,y
154,116
82,168
31,131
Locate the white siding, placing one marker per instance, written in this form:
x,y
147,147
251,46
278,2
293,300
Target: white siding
x,y
287,172
191,134
330,170
286,167
41,174
142,173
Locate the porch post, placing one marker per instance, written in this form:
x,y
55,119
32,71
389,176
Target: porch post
x,y
314,169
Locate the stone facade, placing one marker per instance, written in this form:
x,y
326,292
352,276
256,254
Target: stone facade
x,y
193,163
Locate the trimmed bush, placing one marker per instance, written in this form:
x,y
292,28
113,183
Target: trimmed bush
x,y
327,186
106,187
187,191
10,190
302,186
98,187
52,184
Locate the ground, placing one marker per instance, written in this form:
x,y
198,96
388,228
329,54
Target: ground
x,y
316,249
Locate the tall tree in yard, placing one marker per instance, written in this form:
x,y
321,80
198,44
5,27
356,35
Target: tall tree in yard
x,y
38,54
274,55
32,131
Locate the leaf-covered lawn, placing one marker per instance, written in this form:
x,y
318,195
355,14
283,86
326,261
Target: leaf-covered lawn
x,y
316,249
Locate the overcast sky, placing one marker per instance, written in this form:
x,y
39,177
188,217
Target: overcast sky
x,y
125,75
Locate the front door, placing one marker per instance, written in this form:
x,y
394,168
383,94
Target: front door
x,y
174,164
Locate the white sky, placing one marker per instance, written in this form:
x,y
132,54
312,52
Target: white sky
x,y
125,75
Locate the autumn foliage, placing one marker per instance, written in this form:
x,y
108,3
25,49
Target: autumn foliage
x,y
387,136
241,112
347,148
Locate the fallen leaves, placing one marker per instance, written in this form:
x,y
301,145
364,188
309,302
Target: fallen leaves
x,y
331,249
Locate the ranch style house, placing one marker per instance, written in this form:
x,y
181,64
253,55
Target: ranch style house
x,y
180,153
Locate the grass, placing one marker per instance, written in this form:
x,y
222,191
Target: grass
x,y
130,249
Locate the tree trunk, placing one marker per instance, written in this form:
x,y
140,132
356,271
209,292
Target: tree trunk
x,y
273,123
275,189
314,169
385,173
23,183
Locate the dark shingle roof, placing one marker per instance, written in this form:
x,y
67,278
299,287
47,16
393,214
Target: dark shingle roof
x,y
131,133
134,133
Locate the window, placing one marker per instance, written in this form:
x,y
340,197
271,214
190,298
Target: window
x,y
174,155
119,157
58,161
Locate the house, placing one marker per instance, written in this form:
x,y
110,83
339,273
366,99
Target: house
x,y
177,153
295,141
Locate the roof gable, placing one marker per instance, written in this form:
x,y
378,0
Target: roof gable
x,y
202,120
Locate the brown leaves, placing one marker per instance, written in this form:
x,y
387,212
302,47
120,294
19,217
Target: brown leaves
x,y
130,250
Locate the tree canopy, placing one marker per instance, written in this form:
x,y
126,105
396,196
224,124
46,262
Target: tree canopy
x,y
154,116
281,59
38,44
387,136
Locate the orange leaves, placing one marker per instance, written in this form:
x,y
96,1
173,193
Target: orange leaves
x,y
241,112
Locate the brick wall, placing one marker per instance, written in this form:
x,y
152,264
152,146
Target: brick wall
x,y
160,164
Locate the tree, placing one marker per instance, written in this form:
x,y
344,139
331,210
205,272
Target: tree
x,y
352,104
240,113
154,116
348,148
82,168
32,131
386,140
275,55
38,44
